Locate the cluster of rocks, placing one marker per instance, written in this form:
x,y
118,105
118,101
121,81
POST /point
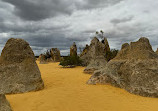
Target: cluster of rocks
x,y
19,71
135,69
94,56
52,56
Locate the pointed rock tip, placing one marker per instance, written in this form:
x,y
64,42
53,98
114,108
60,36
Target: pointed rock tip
x,y
143,39
124,45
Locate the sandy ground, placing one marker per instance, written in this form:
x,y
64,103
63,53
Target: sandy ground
x,y
66,90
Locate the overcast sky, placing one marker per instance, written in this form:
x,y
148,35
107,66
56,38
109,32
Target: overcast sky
x,y
58,23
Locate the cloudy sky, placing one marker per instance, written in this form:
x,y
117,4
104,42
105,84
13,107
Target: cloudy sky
x,y
59,23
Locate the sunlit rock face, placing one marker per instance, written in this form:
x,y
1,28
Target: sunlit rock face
x,y
135,69
19,71
95,64
94,56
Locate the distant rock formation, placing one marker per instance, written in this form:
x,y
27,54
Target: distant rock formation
x,y
85,50
55,54
137,50
4,104
19,71
135,69
157,51
73,50
51,56
94,56
42,59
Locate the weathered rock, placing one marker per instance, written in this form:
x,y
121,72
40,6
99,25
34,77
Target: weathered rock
x,y
4,104
55,54
95,64
94,56
107,47
85,50
19,71
95,49
73,50
135,69
42,59
50,56
137,50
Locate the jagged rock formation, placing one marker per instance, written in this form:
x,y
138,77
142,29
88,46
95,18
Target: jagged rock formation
x,y
19,71
94,56
85,50
135,69
55,54
73,50
107,47
4,104
95,49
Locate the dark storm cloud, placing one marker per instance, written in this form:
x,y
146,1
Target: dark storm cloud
x,y
41,9
37,22
31,27
40,42
5,27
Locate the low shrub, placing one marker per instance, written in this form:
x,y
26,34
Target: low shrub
x,y
71,61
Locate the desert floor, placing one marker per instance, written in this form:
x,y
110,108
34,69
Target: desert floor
x,y
66,90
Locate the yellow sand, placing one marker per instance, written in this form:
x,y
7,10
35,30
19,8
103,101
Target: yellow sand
x,y
66,90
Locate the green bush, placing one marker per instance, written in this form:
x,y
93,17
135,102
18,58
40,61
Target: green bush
x,y
71,61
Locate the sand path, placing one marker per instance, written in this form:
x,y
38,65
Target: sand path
x,y
66,90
